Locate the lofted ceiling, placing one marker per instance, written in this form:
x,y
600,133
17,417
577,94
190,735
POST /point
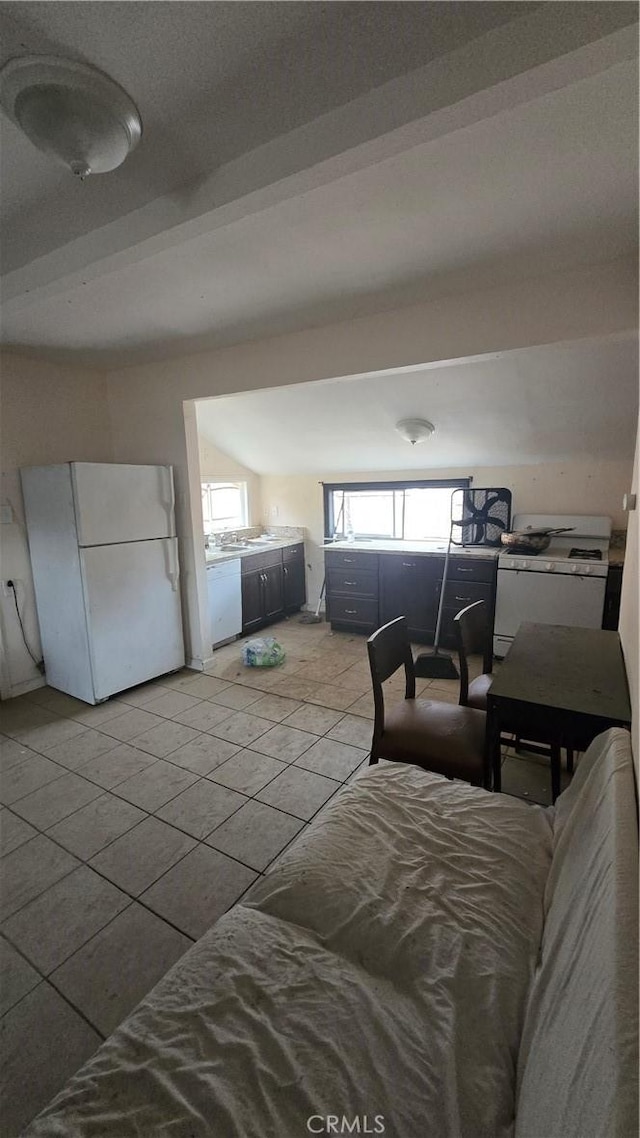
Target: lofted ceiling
x,y
562,402
306,162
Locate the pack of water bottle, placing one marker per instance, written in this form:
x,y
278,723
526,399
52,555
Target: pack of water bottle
x,y
263,652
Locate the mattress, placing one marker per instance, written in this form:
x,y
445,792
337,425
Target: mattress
x,y
379,972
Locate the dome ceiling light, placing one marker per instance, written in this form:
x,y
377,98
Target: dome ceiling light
x,y
415,430
73,112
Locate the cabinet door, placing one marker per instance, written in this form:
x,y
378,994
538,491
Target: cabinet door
x,y
273,592
295,590
252,601
409,586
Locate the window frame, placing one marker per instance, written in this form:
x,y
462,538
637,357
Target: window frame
x,y
206,485
329,488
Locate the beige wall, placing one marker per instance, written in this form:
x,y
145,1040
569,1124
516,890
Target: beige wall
x,y
147,402
630,611
579,487
215,466
49,414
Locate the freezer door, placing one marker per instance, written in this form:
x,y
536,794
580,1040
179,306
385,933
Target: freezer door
x,y
116,502
133,613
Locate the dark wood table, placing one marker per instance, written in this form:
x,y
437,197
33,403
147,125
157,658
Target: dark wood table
x,y
560,686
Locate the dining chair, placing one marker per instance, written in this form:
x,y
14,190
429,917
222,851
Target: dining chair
x,y
441,737
473,635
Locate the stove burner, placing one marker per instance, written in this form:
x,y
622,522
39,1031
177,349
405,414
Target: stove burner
x,y
586,554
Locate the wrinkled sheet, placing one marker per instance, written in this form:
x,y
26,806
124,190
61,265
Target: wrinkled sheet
x,y
381,968
578,1067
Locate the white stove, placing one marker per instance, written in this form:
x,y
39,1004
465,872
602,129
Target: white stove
x,y
564,584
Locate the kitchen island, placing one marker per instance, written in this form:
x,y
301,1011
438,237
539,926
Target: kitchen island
x,y
371,582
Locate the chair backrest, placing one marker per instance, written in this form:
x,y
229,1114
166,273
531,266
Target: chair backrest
x,y
389,649
473,635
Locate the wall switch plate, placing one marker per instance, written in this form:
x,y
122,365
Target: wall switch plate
x,y
6,514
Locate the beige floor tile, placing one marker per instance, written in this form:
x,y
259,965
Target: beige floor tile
x,y
203,716
261,679
198,890
14,831
255,834
311,717
440,695
247,772
29,870
42,738
115,766
203,754
202,807
44,1041
241,728
235,697
155,785
284,743
110,974
333,759
27,776
96,825
204,687
325,670
137,859
165,738
71,911
293,688
50,803
335,697
298,792
144,694
527,780
12,753
100,714
180,681
131,724
450,686
171,703
19,715
363,707
17,977
58,701
74,753
353,729
274,707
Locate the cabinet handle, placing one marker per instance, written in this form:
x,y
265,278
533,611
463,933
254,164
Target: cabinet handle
x,y
349,582
408,564
463,599
350,612
285,570
348,560
464,569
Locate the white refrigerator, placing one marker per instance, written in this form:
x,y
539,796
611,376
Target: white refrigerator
x,y
105,568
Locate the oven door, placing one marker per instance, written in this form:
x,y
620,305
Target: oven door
x,y
547,598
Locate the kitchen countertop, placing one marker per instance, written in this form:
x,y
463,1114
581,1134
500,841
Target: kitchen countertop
x,y
217,557
421,547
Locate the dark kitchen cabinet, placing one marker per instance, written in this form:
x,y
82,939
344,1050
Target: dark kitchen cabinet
x,y
295,588
273,583
612,596
469,579
352,590
410,586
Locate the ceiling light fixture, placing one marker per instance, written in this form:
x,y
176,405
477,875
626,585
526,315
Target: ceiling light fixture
x,y
415,430
73,112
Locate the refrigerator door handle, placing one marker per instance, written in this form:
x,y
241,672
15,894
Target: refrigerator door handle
x,y
168,495
171,562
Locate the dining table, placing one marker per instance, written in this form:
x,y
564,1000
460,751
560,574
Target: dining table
x,y
560,686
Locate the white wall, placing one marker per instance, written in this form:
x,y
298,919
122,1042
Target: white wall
x,y
146,402
630,610
49,414
216,466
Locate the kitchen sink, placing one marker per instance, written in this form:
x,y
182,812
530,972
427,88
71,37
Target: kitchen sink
x,y
234,546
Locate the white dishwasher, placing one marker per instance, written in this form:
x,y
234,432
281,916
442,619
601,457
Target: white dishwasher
x,y
225,601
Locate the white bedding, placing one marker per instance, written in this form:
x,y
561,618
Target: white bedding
x,y
381,968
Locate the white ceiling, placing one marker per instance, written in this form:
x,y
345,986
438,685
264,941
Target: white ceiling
x,y
512,155
554,403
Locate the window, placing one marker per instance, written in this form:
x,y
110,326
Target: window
x,y
409,511
224,506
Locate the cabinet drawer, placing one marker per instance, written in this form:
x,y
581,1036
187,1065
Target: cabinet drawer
x,y
360,582
348,610
293,553
459,594
471,569
345,559
260,561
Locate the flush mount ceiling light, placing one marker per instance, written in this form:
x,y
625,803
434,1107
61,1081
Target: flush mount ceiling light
x,y
415,430
72,112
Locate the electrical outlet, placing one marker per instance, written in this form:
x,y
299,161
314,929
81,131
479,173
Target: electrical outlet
x,y
6,514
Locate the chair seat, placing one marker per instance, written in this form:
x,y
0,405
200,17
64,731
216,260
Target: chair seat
x,y
442,737
477,694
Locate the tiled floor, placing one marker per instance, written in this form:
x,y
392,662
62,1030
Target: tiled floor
x,y
129,827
